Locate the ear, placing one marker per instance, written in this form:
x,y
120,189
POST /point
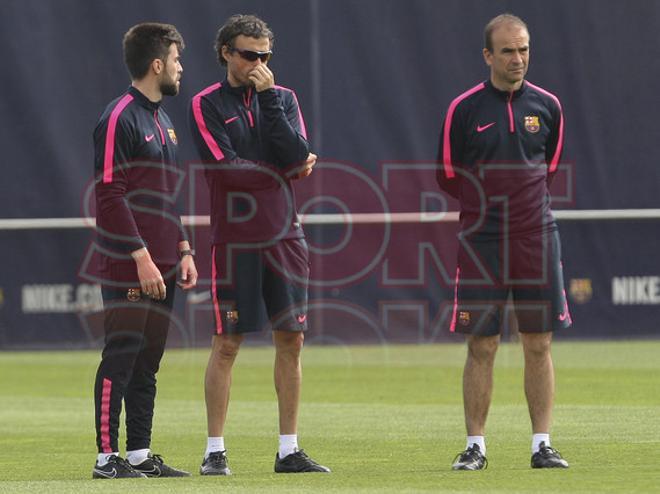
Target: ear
x,y
488,57
226,53
157,66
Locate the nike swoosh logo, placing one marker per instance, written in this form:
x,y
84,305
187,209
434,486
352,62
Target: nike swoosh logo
x,y
481,128
107,475
155,471
302,318
563,316
149,138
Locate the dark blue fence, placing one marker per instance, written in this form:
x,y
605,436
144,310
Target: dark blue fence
x,y
374,79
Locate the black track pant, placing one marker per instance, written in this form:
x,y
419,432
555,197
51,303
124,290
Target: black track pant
x,y
135,336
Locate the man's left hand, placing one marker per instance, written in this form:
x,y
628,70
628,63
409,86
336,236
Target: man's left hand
x,y
309,164
189,275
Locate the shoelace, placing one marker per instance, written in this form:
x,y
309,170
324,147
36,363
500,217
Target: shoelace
x,y
216,457
304,456
472,455
468,454
549,451
157,459
122,463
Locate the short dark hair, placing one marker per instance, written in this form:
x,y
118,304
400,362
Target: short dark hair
x,y
247,25
497,21
145,42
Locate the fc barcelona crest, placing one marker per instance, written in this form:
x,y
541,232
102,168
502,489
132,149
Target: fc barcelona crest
x,y
532,124
581,290
133,294
172,135
464,318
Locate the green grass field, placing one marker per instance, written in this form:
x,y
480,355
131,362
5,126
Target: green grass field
x,y
384,418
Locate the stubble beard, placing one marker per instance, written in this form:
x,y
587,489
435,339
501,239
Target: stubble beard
x,y
169,88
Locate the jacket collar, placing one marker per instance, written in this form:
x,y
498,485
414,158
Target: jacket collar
x,y
238,90
507,94
142,100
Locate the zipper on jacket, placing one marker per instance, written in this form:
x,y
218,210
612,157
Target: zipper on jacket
x,y
162,136
247,100
512,127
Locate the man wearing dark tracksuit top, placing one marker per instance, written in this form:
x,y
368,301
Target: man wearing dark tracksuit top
x,y
500,147
142,242
251,135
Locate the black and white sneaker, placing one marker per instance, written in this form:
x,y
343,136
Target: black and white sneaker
x,y
116,468
215,464
298,462
470,459
547,457
154,466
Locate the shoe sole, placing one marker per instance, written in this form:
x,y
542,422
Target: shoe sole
x,y
168,476
101,477
302,471
549,466
215,474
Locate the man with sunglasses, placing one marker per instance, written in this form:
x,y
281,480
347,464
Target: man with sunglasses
x,y
251,136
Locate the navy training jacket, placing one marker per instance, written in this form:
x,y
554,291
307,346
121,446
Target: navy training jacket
x,y
499,151
251,144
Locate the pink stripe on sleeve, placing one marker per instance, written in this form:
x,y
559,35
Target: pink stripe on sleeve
x,y
554,162
201,124
446,141
109,156
303,128
214,292
105,416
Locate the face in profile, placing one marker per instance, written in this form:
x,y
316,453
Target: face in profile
x,y
171,75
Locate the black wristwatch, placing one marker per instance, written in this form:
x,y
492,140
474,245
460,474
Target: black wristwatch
x,y
187,252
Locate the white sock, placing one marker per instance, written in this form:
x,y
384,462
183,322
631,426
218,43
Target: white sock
x,y
213,445
537,439
102,458
478,440
137,456
288,444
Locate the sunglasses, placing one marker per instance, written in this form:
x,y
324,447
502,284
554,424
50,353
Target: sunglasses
x,y
252,56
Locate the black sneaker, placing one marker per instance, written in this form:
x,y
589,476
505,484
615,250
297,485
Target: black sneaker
x,y
470,459
297,462
153,466
547,457
215,464
116,468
